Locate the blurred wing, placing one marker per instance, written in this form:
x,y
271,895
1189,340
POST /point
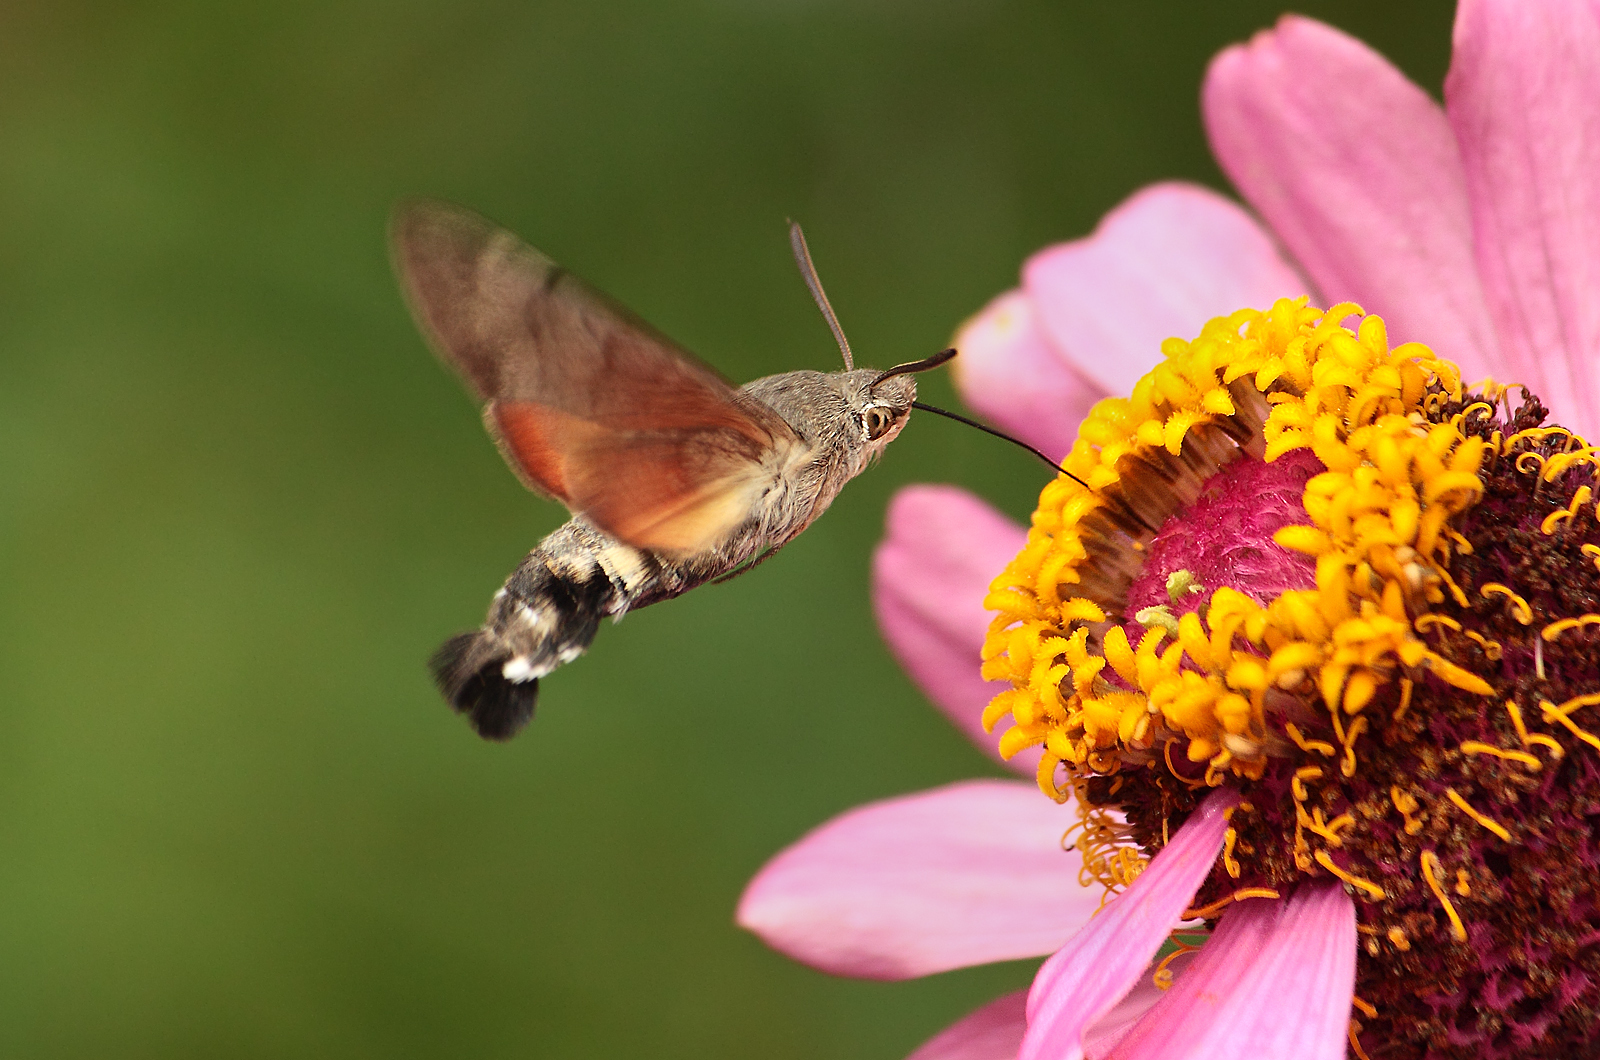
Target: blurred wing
x,y
589,404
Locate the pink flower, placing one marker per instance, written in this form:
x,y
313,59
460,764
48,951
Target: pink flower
x,y
1474,228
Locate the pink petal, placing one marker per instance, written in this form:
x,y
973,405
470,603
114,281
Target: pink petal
x,y
1357,171
1103,962
1103,1035
929,576
1010,372
1165,261
1524,97
1274,982
991,1033
960,875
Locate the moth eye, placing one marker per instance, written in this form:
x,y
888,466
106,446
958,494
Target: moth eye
x,y
878,421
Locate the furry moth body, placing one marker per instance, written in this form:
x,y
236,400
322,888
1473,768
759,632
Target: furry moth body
x,y
674,477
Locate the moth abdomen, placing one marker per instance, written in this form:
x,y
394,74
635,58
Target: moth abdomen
x,y
546,615
469,671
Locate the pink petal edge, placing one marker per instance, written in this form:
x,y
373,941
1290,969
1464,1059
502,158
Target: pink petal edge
x,y
1102,963
1523,95
1162,263
941,549
964,874
1274,982
1357,171
992,1033
1012,374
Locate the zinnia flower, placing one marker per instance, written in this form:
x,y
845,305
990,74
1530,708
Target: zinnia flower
x,y
1318,637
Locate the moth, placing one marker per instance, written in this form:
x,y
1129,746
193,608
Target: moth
x,y
674,476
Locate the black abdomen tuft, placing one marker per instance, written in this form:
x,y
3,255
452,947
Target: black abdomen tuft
x,y
469,671
546,616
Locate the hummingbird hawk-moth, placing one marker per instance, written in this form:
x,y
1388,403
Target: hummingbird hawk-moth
x,y
674,476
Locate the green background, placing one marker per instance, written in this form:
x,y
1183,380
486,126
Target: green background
x,y
240,504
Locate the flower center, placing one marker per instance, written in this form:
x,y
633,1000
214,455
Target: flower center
x,y
1225,538
1316,569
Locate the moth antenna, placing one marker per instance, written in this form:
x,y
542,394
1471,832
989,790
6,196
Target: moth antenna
x,y
808,271
998,434
911,367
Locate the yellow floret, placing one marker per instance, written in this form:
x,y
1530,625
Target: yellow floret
x,y
1376,520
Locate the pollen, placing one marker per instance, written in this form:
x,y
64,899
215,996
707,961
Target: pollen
x,y
1300,562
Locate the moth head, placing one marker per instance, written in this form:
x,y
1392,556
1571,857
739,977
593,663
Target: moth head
x,y
881,408
879,402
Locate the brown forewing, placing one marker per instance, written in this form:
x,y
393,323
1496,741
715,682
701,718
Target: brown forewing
x,y
589,404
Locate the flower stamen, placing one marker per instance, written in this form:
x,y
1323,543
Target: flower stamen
x,y
1111,858
1552,713
1406,685
1523,612
1487,822
1576,703
1562,515
1530,739
1357,727
1367,887
1561,625
1477,747
1163,975
1322,747
1432,871
1206,912
1355,1041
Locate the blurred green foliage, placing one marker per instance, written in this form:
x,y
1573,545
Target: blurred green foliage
x,y
240,504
